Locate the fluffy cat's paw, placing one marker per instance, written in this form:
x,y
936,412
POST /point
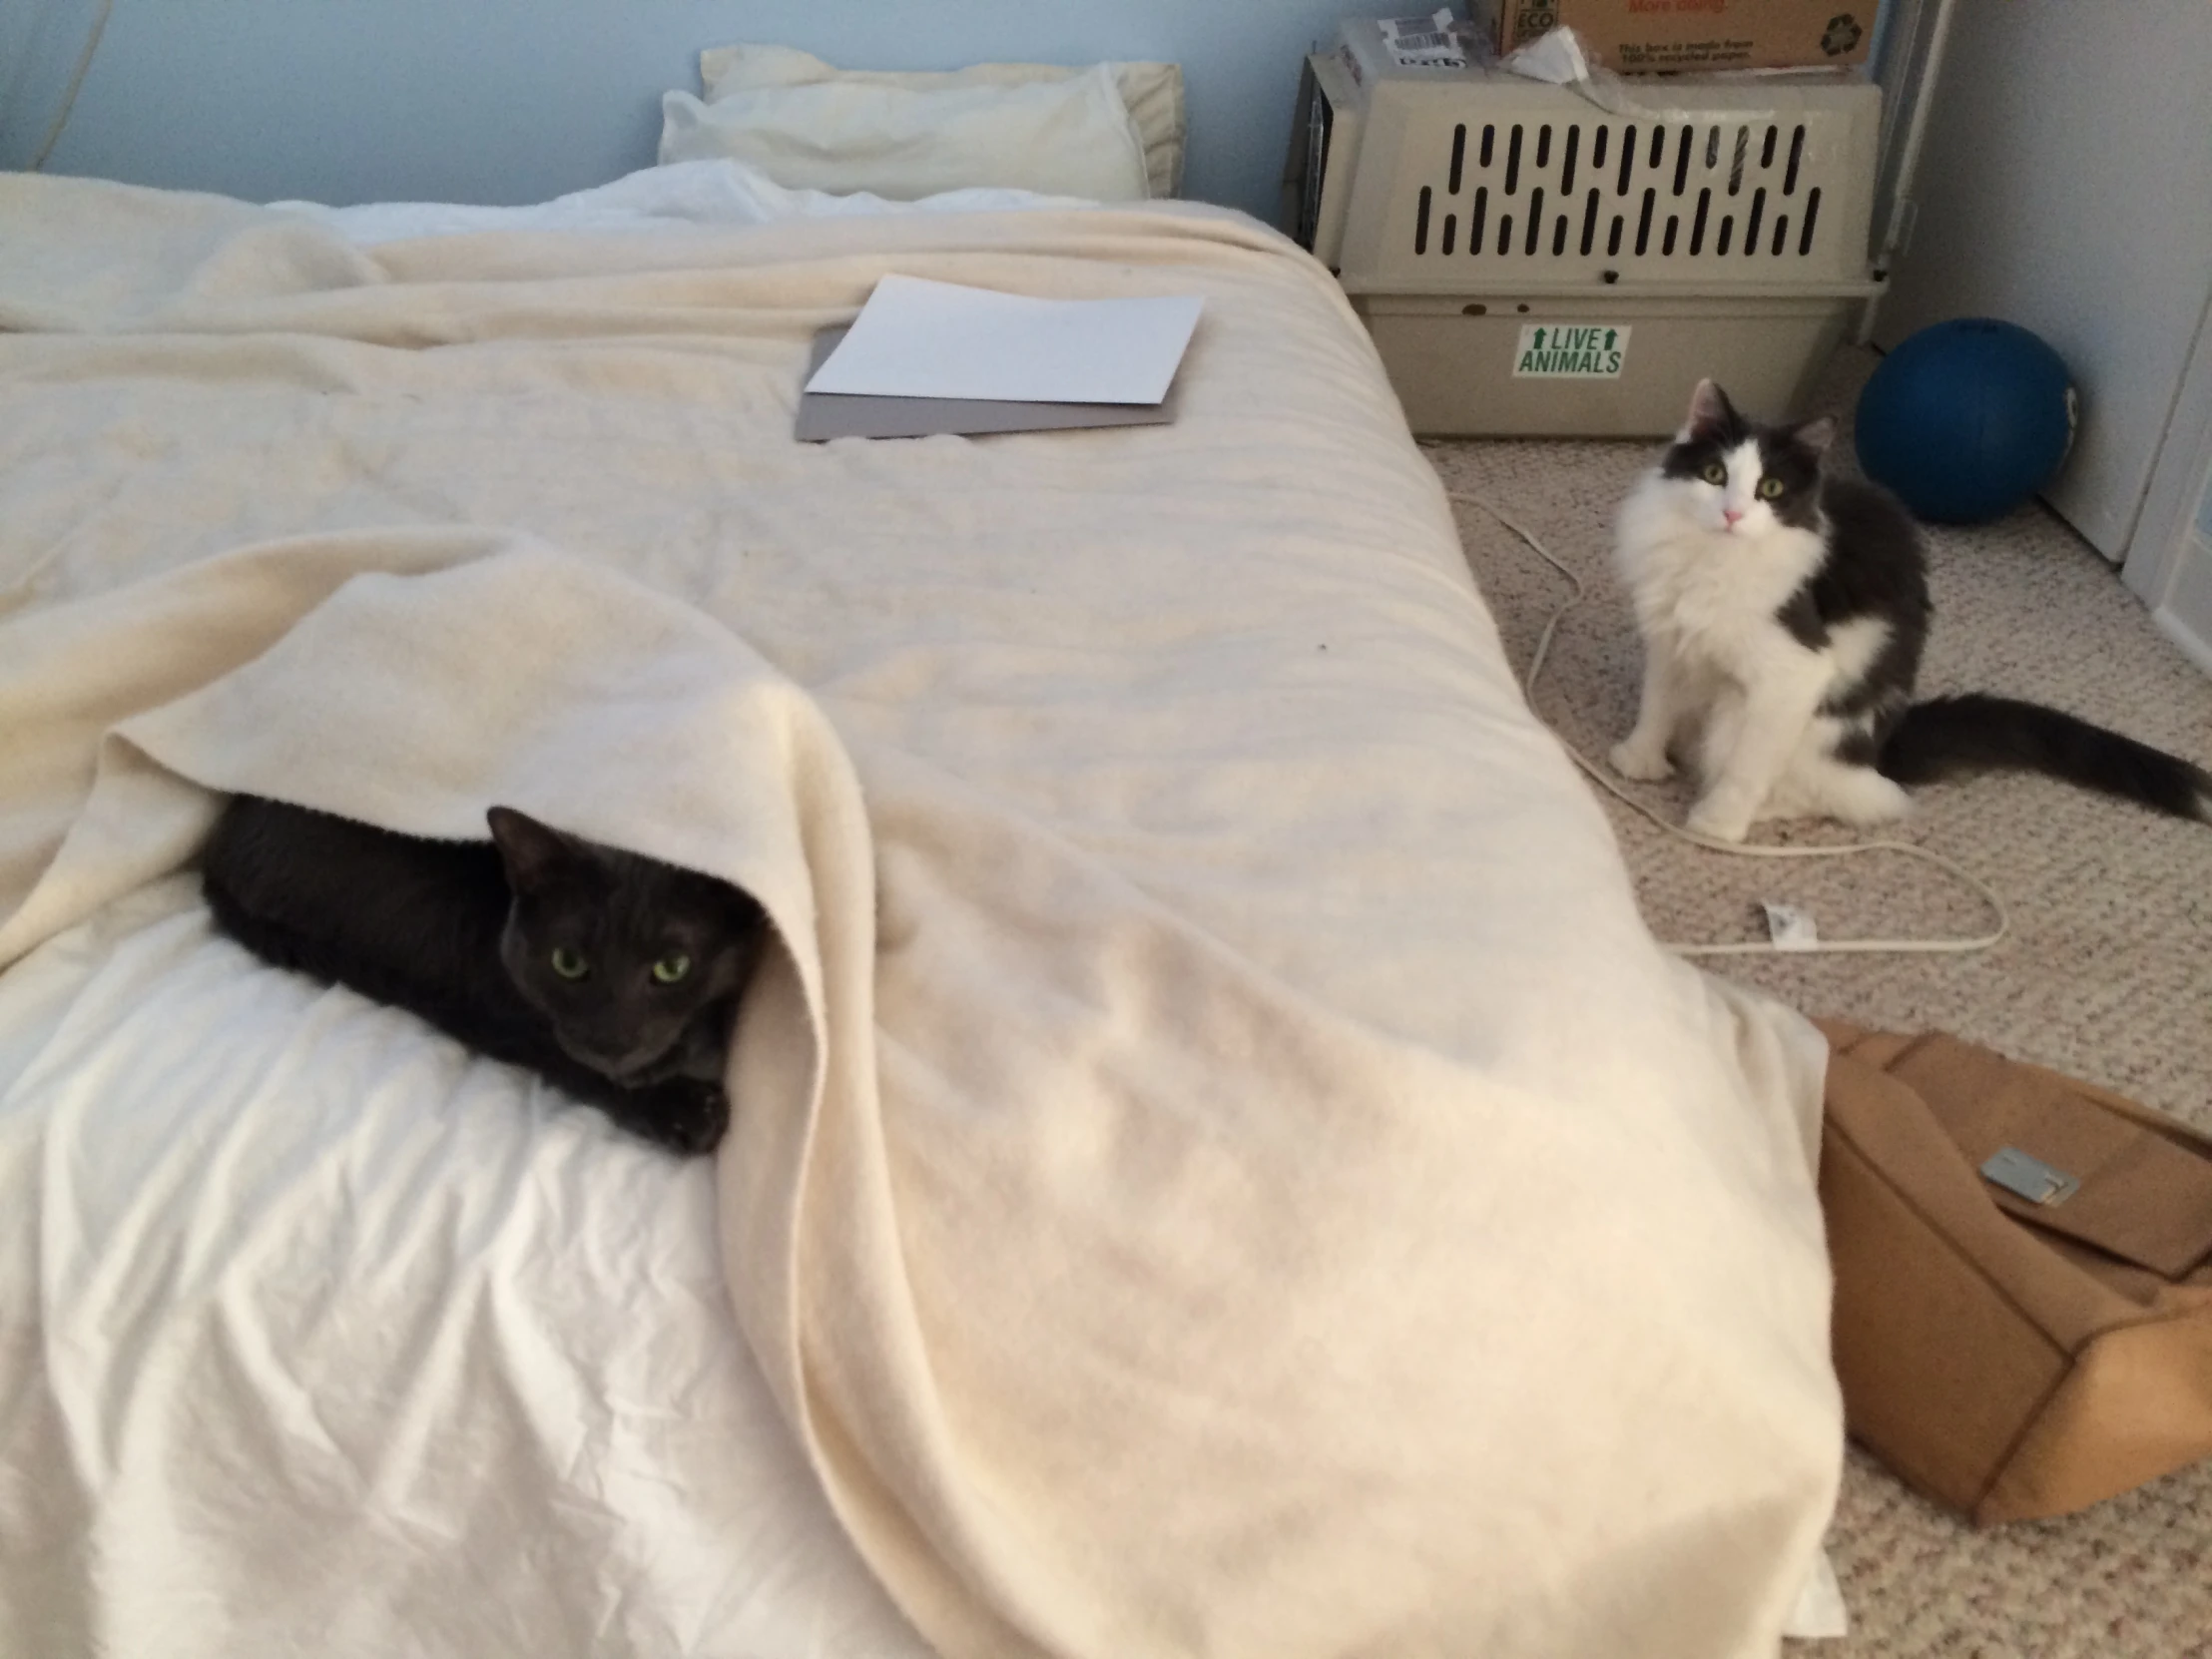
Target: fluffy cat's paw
x,y
1718,821
683,1113
1871,798
1644,766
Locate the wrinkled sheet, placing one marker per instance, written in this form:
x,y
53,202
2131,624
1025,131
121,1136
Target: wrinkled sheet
x,y
672,196
1282,1202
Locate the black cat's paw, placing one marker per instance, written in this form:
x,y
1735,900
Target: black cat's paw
x,y
685,1115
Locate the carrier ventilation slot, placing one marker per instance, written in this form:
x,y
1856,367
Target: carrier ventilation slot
x,y
1703,173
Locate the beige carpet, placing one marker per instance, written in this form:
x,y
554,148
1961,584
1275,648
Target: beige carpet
x,y
2106,973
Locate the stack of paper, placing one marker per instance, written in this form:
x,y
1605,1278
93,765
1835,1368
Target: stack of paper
x,y
927,356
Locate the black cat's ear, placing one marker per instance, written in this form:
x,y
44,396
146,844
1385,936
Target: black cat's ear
x,y
1711,413
1815,435
535,853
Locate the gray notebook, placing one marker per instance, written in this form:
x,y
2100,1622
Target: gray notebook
x,y
825,416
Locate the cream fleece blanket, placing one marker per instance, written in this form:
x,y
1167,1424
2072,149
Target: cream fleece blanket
x,y
1219,1166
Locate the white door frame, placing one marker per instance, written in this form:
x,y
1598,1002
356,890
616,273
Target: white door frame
x,y
2168,563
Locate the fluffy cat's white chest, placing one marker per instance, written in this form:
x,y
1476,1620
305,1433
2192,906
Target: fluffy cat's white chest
x,y
1709,597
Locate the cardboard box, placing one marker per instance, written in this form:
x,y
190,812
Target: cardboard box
x,y
1651,36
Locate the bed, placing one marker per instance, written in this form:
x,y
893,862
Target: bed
x,y
1219,1165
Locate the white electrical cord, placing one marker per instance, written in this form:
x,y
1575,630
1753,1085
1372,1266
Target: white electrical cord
x,y
1754,947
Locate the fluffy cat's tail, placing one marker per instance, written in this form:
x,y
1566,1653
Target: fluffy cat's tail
x,y
1947,736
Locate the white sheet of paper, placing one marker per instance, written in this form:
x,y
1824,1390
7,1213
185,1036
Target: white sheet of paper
x,y
918,338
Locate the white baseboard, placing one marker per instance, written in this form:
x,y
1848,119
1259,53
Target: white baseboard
x,y
2193,645
2185,613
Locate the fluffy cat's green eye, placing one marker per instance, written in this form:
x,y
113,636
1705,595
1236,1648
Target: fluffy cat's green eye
x,y
1770,487
568,965
669,970
1715,474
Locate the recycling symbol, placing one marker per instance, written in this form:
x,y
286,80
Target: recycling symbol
x,y
1843,34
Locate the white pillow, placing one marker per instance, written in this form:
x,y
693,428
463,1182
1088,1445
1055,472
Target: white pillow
x,y
1071,137
1152,92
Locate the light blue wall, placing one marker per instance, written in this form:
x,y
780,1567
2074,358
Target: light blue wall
x,y
509,101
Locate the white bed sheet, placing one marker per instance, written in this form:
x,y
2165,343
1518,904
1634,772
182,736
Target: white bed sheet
x,y
719,194
459,1336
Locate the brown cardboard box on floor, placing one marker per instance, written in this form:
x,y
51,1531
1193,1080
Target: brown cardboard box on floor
x,y
1639,36
2008,1357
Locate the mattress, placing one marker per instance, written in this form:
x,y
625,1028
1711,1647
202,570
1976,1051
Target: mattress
x,y
1280,1200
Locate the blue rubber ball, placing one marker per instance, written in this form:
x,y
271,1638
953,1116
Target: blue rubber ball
x,y
1966,419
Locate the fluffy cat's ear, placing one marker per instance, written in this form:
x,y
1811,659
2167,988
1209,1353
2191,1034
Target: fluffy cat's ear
x,y
535,853
1815,435
1710,410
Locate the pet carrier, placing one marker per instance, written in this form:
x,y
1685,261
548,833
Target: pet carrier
x,y
1531,262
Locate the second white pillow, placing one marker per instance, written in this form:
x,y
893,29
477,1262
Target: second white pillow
x,y
1071,137
1151,92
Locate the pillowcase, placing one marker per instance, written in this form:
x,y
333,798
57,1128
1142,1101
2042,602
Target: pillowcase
x,y
1060,138
1151,92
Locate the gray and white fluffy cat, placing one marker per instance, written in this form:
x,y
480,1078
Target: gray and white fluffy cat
x,y
1783,612
613,975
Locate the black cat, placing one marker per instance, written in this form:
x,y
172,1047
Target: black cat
x,y
613,975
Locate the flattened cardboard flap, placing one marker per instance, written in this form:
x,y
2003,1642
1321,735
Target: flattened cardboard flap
x,y
2145,1193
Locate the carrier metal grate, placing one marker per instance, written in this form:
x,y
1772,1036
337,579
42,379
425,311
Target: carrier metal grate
x,y
1633,194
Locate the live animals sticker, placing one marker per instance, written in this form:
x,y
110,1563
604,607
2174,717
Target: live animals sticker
x,y
1572,351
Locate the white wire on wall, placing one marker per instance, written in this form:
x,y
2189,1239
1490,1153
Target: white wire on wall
x,y
76,84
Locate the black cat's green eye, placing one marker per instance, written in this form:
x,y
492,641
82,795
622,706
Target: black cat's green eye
x,y
1770,487
568,963
1715,474
669,970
